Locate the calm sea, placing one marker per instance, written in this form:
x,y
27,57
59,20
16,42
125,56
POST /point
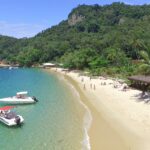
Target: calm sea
x,y
54,123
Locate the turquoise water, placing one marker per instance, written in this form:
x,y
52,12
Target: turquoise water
x,y
54,123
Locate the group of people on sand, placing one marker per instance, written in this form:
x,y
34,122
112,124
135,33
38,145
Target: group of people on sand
x,y
122,86
92,86
116,84
103,83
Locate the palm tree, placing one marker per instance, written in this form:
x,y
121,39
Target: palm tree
x,y
144,68
137,45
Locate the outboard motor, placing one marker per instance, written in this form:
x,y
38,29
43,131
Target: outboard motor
x,y
35,99
17,120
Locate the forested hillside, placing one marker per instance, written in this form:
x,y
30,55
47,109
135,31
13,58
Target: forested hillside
x,y
112,39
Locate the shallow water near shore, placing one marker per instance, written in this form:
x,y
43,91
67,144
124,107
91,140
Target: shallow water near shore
x,y
55,122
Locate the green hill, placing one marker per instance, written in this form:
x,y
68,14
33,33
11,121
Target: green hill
x,y
93,37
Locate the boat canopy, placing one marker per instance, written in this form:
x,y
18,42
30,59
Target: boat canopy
x,y
6,108
22,93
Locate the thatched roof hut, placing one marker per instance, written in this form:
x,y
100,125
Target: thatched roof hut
x,y
140,78
140,82
48,65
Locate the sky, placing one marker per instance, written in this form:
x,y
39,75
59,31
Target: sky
x,y
26,18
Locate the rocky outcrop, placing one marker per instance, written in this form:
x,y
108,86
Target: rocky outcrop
x,y
75,19
121,21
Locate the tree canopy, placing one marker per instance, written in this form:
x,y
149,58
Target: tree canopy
x,y
93,37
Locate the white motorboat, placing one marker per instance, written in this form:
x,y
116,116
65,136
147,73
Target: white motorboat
x,y
11,67
10,118
20,98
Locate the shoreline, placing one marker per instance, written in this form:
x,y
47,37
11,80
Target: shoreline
x,y
87,118
99,139
112,127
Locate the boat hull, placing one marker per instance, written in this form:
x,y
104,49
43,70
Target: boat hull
x,y
14,100
11,122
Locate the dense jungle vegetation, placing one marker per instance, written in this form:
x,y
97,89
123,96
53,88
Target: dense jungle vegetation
x,y
110,39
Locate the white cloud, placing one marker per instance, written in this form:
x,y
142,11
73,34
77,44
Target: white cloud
x,y
136,2
20,30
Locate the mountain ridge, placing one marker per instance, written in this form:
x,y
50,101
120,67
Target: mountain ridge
x,y
95,35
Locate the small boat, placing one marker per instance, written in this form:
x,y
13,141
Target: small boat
x,y
10,118
11,67
20,98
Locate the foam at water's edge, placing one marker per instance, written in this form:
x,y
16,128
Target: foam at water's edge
x,y
86,122
87,119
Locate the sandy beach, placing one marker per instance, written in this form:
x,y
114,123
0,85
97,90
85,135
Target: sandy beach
x,y
120,120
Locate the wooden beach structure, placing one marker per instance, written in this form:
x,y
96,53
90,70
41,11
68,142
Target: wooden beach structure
x,y
48,65
140,82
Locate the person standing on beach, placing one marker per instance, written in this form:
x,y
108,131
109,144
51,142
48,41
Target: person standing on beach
x,y
94,87
84,87
82,80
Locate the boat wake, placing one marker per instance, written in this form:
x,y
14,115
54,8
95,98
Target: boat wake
x,y
86,121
